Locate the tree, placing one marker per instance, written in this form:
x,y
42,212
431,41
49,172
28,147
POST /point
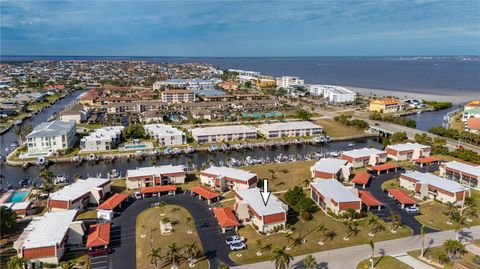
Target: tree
x,y
173,253
303,114
450,211
396,221
8,219
134,131
16,262
458,222
155,256
422,234
282,258
47,176
350,228
376,226
189,222
162,205
398,137
454,248
223,266
309,262
372,247
191,251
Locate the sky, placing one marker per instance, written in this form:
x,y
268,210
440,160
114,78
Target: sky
x,y
240,28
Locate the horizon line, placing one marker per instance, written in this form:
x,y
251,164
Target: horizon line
x,y
293,56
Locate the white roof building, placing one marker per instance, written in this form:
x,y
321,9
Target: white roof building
x,y
329,165
155,170
335,190
463,167
362,153
287,126
78,189
166,134
232,173
224,133
102,138
254,198
407,146
335,94
436,181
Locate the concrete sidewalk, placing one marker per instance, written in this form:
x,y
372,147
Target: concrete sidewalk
x,y
409,260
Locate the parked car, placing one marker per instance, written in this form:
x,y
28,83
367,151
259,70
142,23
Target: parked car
x,y
99,251
138,195
234,239
411,209
238,246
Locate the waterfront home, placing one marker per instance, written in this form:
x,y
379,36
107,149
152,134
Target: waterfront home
x,y
90,97
471,110
166,135
330,168
331,195
136,107
473,125
265,83
22,209
364,157
265,218
227,178
46,237
105,138
51,136
288,81
80,195
289,129
191,84
461,172
178,96
434,187
154,176
245,72
334,94
78,113
385,105
223,133
407,151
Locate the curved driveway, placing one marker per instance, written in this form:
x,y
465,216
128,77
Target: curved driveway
x,y
123,231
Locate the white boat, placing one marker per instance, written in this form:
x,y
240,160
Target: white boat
x,y
351,144
41,161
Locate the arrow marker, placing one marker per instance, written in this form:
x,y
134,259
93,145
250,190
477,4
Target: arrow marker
x,y
265,194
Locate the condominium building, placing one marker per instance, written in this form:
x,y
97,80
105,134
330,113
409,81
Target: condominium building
x,y
364,157
385,105
191,84
334,94
78,112
407,151
265,82
329,194
79,195
250,207
287,82
289,129
463,173
227,178
51,136
178,96
330,168
245,72
105,138
155,176
223,133
166,135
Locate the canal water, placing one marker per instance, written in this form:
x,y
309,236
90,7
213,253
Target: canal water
x,y
430,119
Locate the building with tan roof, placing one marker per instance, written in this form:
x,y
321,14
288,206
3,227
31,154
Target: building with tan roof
x,y
385,105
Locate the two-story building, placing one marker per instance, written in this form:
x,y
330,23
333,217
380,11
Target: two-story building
x,y
407,151
329,194
289,129
330,168
48,137
227,178
79,195
363,157
154,176
464,173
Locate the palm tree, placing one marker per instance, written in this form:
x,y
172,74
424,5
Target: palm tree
x,y
454,248
173,253
422,233
471,213
47,176
8,219
396,222
322,229
372,247
155,256
259,246
309,262
162,205
282,258
16,262
450,211
375,224
306,182
350,227
189,222
19,134
191,251
458,222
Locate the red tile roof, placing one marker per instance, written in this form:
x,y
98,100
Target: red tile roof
x,y
113,201
402,196
368,198
361,178
225,217
205,192
98,235
158,189
427,160
385,166
473,123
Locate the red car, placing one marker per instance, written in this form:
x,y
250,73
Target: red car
x,y
99,251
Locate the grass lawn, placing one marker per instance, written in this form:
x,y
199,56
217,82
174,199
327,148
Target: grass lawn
x,y
80,260
148,235
391,183
308,230
432,214
336,129
466,261
384,262
287,175
89,214
119,186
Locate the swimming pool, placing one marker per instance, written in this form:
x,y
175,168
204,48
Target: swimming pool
x,y
18,196
136,146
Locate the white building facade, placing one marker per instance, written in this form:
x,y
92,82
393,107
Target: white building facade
x,y
334,94
224,133
166,135
105,138
289,129
51,137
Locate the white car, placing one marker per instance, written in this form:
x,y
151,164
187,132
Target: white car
x,y
138,195
412,209
238,246
230,240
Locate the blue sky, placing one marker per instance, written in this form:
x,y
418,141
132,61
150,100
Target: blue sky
x,y
240,28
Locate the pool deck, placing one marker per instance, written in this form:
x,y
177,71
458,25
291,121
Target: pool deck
x,y
6,195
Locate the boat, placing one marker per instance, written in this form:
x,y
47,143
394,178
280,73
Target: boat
x,y
189,149
91,157
212,148
351,144
41,161
60,179
113,174
26,165
168,151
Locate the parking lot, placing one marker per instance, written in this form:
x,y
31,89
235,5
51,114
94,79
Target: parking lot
x,y
99,262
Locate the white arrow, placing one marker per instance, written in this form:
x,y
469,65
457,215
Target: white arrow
x,y
265,194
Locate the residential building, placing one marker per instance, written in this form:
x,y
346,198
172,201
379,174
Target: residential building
x,y
228,85
407,151
364,157
461,172
265,83
105,138
331,195
79,195
223,133
227,178
191,84
473,125
51,136
434,187
178,96
46,237
77,112
334,94
385,105
154,176
166,135
330,168
22,209
245,72
288,82
289,129
250,207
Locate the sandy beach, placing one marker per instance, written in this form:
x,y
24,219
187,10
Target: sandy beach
x,y
457,97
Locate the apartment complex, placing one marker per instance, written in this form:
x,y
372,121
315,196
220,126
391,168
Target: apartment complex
x,y
166,135
227,178
51,136
178,96
334,94
105,138
330,168
223,133
249,206
329,194
364,157
289,129
78,113
407,151
288,81
461,172
79,195
155,176
385,105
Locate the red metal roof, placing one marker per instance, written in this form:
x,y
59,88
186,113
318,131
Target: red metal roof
x,y
385,166
402,196
427,160
158,189
113,201
225,217
205,192
98,235
361,178
368,198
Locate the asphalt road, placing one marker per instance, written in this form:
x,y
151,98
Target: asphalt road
x,y
123,231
